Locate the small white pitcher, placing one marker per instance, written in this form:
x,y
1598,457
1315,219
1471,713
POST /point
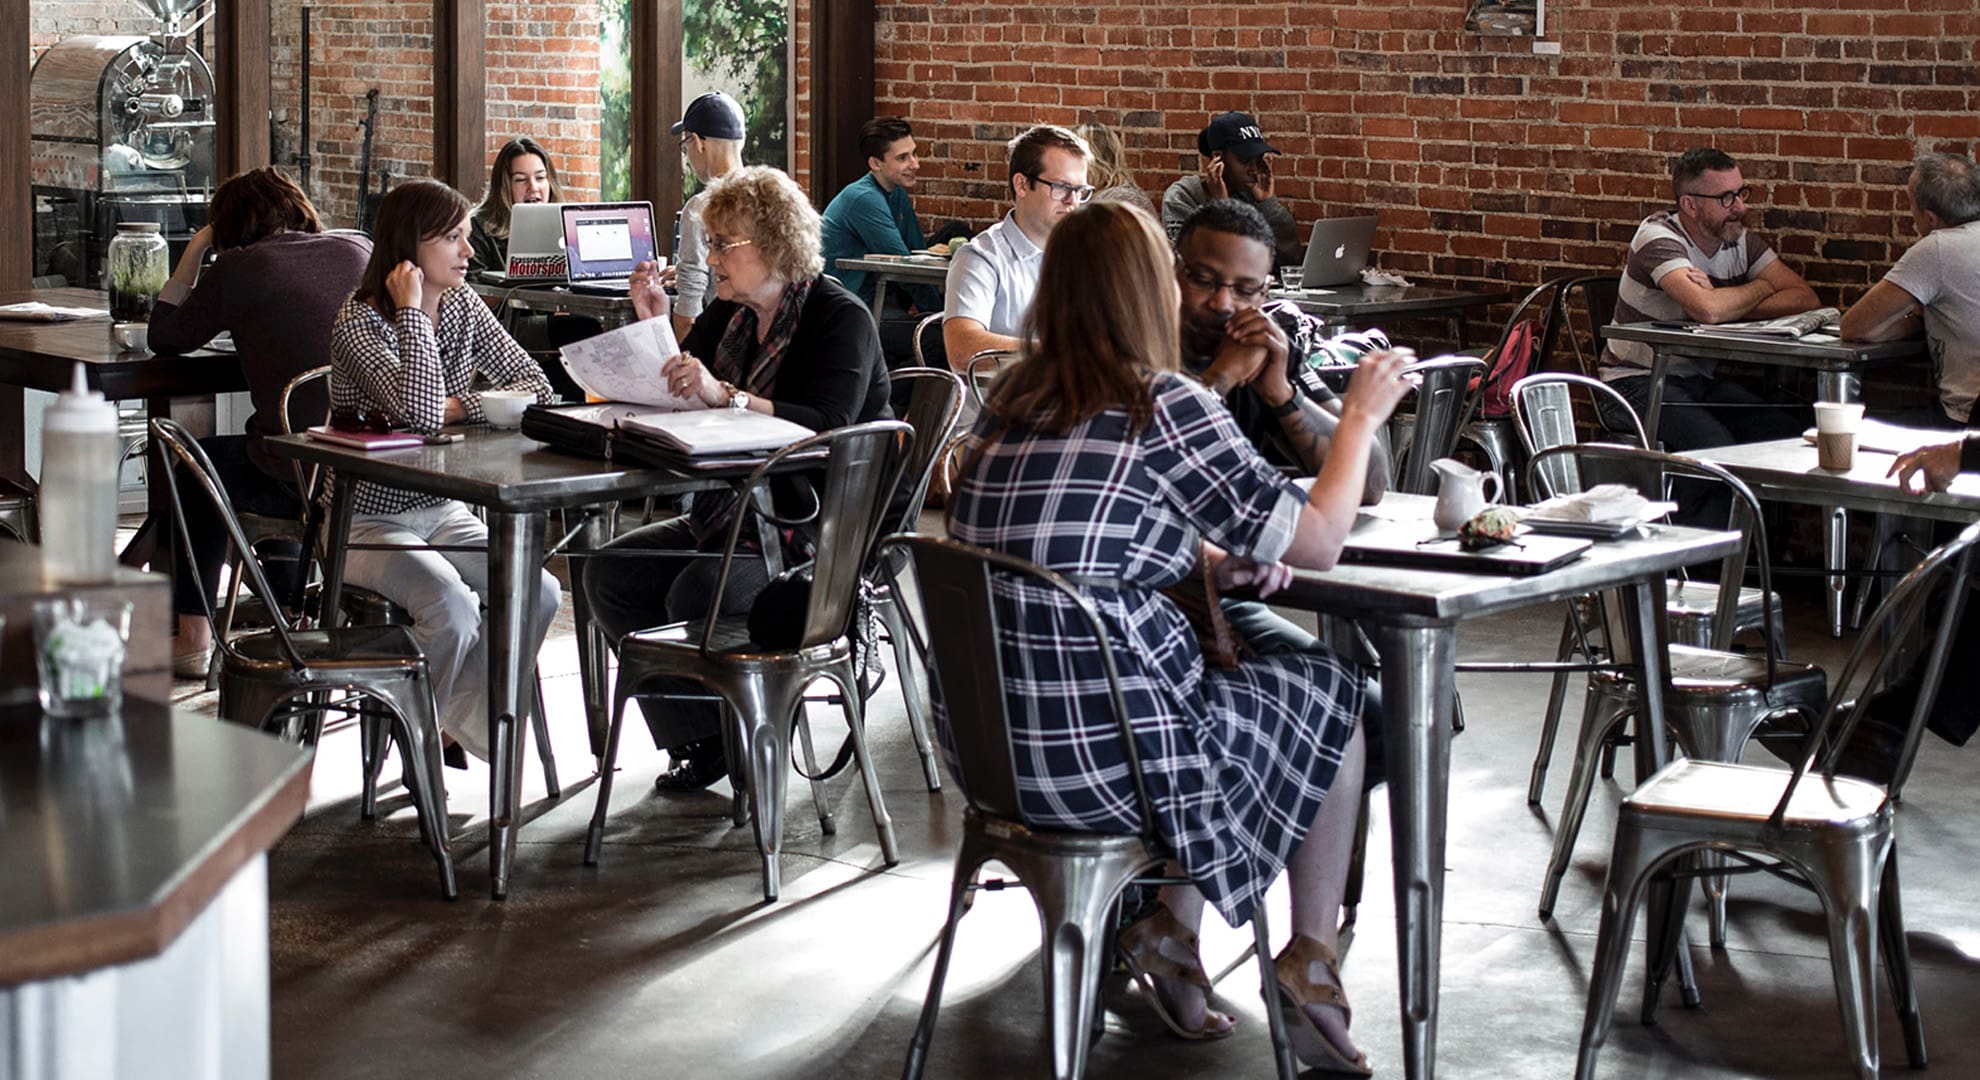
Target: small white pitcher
x,y
1460,493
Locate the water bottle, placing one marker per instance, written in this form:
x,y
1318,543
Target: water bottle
x,y
78,499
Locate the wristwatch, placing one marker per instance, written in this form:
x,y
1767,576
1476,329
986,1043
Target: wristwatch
x,y
738,399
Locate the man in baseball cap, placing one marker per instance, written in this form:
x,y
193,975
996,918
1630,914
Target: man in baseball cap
x,y
711,134
1237,164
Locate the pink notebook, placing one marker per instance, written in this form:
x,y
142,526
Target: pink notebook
x,y
367,440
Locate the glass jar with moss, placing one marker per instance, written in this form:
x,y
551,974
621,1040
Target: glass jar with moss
x,y
135,270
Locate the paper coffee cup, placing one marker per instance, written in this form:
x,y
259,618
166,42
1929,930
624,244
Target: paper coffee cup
x,y
1838,417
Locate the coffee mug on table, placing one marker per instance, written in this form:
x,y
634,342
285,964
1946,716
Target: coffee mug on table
x,y
1836,424
504,408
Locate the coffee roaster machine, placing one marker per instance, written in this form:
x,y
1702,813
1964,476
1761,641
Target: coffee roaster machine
x,y
121,129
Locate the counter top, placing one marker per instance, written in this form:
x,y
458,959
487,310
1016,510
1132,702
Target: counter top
x,y
116,834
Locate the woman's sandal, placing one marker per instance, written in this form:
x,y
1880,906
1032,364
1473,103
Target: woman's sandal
x,y
1158,946
1296,992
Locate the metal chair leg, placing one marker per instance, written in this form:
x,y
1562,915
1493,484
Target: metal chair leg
x,y
1897,960
820,798
539,723
911,696
1268,984
883,824
1599,718
1551,725
594,837
1622,894
924,1032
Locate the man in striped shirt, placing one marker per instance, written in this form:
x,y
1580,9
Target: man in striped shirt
x,y
1699,263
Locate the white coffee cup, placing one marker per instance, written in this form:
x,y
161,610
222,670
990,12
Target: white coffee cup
x,y
1836,424
131,337
504,408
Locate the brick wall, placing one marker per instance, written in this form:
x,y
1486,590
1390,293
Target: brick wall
x,y
1484,160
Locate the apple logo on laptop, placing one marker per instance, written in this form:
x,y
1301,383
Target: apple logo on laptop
x,y
1340,251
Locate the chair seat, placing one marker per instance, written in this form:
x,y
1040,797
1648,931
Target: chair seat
x,y
1747,794
732,643
349,645
1709,671
1701,599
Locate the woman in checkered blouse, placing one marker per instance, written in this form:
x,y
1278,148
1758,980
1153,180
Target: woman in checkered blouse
x,y
415,343
1095,458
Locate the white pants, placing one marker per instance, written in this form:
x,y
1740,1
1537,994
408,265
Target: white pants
x,y
446,592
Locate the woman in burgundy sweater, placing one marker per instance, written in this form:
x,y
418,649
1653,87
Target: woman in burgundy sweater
x,y
276,286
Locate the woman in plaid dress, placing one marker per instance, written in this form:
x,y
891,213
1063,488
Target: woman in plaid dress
x,y
1094,458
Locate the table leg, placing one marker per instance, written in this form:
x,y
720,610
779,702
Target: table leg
x,y
1659,365
592,648
156,540
1419,678
515,558
1836,386
337,532
879,295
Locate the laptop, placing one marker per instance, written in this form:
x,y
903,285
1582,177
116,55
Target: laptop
x,y
1418,545
603,242
1338,251
536,247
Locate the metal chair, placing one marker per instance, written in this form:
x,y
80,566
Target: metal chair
x,y
921,330
1493,434
1075,878
764,688
261,527
982,369
262,673
17,516
1545,414
1444,401
1597,293
1717,698
934,405
1835,833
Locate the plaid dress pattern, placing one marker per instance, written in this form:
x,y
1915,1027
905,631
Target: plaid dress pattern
x,y
1237,762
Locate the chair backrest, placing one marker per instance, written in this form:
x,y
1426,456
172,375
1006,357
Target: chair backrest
x,y
171,441
304,387
1597,295
1650,471
1543,409
1520,348
967,669
934,404
1444,402
982,370
1938,587
862,467
920,331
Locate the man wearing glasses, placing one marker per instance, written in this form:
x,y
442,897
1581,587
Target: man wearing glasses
x,y
992,279
1699,263
1237,164
711,134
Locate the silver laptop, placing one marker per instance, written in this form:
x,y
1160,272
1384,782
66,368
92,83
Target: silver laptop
x,y
604,241
536,246
1338,251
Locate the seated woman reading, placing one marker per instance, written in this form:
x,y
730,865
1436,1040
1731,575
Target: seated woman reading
x,y
1095,457
780,338
416,345
275,285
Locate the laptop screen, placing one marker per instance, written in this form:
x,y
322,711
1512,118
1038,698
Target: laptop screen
x,y
606,240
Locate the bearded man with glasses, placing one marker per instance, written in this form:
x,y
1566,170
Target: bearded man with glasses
x,y
992,279
1699,263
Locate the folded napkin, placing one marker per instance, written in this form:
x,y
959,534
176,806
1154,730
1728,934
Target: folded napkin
x,y
1372,276
1603,504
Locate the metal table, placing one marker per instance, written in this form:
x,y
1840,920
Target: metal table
x,y
1412,615
42,356
1836,364
912,269
551,299
1785,470
518,482
1342,307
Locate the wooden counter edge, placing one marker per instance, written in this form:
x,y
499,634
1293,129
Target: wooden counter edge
x,y
79,946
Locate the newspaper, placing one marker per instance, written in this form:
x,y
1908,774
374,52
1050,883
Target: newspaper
x,y
624,365
1787,326
36,311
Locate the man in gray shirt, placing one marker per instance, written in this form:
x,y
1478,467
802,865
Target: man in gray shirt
x,y
1237,164
1935,287
711,133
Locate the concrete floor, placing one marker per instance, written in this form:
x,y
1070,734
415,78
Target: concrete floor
x,y
664,961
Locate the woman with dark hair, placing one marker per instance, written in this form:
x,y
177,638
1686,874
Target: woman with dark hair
x,y
1096,458
522,173
415,344
275,285
780,338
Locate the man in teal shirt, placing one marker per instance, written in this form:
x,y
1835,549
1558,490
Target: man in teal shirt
x,y
874,215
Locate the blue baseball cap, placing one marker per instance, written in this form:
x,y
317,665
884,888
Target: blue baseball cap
x,y
713,115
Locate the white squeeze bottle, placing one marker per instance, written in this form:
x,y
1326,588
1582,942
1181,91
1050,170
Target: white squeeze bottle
x,y
78,499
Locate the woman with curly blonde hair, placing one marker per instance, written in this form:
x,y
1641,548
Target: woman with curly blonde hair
x,y
780,338
1106,168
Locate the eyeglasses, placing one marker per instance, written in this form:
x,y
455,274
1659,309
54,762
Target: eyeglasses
x,y
719,246
1065,193
1209,282
363,419
1725,199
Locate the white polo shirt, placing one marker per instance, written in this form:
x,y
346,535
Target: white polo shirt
x,y
993,278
